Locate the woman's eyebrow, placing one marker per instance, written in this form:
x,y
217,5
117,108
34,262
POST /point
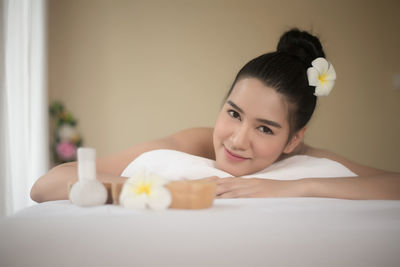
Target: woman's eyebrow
x,y
234,106
265,121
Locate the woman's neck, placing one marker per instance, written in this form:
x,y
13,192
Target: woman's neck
x,y
301,149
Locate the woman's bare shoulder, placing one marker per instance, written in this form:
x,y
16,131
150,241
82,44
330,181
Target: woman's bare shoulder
x,y
359,169
195,141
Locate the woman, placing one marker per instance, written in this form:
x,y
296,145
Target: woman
x,y
262,121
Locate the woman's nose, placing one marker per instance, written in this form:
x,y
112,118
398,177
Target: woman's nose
x,y
240,138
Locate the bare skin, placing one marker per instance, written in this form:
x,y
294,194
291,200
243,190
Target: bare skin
x,y
371,183
53,185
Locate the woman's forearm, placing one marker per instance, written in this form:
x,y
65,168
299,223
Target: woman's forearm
x,y
54,184
384,186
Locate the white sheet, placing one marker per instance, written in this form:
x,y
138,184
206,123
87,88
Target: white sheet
x,y
175,165
233,232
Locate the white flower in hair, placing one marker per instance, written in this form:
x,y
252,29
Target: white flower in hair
x,y
322,75
142,191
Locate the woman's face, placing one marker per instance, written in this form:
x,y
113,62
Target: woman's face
x,y
252,129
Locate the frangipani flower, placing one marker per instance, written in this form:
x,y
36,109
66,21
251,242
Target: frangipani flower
x,y
142,191
322,75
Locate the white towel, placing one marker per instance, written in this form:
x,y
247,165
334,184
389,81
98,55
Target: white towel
x,y
176,165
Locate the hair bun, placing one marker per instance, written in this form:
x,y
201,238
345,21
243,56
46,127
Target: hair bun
x,y
302,45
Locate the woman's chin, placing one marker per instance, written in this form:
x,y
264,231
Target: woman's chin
x,y
232,170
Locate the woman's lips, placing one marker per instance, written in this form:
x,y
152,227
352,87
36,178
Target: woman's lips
x,y
234,157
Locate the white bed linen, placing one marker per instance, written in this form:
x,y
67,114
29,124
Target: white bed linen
x,y
175,165
233,232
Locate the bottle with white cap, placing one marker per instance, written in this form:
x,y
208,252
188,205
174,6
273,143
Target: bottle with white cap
x,y
88,191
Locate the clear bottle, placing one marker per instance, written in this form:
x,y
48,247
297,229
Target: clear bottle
x,y
88,191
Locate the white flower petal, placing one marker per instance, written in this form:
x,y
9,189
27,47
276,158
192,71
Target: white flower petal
x,y
331,73
134,201
159,199
321,64
126,188
156,180
130,183
140,174
125,193
324,89
136,178
312,75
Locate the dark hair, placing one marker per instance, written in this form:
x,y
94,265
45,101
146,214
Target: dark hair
x,y
286,71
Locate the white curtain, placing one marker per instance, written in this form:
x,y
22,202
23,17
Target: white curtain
x,y
24,108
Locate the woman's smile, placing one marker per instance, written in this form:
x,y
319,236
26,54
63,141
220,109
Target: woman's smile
x,y
234,157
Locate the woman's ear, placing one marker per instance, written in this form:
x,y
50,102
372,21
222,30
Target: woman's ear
x,y
295,141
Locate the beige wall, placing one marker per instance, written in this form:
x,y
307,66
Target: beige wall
x,y
137,70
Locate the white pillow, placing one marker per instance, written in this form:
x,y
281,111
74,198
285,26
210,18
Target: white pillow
x,y
176,165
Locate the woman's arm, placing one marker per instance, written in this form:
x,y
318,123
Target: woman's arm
x,y
54,184
385,186
370,183
382,186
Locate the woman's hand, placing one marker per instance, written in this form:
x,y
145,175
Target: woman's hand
x,y
236,187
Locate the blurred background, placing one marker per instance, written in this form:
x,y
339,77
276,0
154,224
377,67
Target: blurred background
x,y
135,70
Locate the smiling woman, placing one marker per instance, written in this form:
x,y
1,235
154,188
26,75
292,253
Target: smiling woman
x,y
262,122
269,104
252,129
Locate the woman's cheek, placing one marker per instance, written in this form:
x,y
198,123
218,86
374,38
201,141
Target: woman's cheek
x,y
218,132
268,148
222,127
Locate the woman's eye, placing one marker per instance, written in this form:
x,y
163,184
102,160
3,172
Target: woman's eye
x,y
265,129
234,114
